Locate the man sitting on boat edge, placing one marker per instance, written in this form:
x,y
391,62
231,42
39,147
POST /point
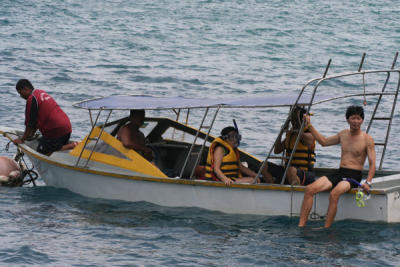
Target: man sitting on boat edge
x,y
131,137
223,161
43,113
356,146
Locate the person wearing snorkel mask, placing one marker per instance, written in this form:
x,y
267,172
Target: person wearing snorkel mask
x,y
223,161
302,164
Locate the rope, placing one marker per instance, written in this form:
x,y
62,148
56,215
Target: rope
x,y
314,215
19,157
25,172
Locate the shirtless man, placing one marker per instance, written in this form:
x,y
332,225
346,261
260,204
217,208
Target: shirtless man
x,y
131,137
356,146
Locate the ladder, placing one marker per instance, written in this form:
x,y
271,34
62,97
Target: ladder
x,y
375,117
389,118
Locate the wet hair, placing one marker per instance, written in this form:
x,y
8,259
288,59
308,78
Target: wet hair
x,y
301,111
137,113
297,114
227,130
355,110
21,84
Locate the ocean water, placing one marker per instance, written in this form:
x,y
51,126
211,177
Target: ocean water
x,y
77,50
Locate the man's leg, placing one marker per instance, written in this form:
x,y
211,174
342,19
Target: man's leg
x,y
292,177
341,188
322,184
267,176
49,145
272,170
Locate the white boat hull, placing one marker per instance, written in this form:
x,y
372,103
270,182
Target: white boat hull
x,y
243,199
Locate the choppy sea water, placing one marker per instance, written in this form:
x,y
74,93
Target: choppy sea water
x,y
77,50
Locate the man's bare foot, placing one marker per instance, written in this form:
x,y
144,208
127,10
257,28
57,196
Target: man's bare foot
x,y
69,146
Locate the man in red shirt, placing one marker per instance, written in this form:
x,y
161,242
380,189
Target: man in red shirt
x,y
43,113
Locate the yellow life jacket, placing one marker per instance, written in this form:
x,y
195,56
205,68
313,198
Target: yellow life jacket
x,y
230,162
304,157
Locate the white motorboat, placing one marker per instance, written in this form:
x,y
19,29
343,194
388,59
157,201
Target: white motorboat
x,y
101,167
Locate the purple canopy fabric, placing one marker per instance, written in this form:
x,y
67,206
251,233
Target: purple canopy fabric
x,y
126,102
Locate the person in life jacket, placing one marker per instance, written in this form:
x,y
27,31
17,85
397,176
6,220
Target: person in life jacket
x,y
300,171
43,113
223,161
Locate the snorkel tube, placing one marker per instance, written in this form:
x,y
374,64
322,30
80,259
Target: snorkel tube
x,y
360,196
237,129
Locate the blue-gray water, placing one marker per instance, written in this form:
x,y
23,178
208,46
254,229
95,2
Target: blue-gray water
x,y
85,49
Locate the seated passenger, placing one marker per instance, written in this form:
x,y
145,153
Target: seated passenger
x,y
300,171
131,137
223,161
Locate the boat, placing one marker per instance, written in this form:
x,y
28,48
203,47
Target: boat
x,y
101,167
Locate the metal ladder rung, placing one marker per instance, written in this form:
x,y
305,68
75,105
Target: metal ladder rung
x,y
379,144
381,118
388,93
205,127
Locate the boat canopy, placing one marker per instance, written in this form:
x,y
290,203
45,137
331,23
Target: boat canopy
x,y
127,102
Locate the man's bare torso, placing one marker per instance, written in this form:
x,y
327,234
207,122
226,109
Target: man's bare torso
x,y
131,136
354,149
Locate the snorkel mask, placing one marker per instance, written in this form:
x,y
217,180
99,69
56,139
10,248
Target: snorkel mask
x,y
232,134
234,137
361,197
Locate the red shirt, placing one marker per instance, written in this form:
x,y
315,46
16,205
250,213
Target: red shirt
x,y
43,112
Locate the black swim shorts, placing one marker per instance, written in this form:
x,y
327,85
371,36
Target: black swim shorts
x,y
344,173
277,171
48,145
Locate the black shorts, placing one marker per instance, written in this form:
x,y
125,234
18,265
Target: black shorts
x,y
277,171
306,177
344,173
48,145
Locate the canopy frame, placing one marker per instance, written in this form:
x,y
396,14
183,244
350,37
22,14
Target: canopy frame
x,y
301,99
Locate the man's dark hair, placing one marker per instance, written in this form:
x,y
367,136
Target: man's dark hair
x,y
355,110
227,130
21,84
137,113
